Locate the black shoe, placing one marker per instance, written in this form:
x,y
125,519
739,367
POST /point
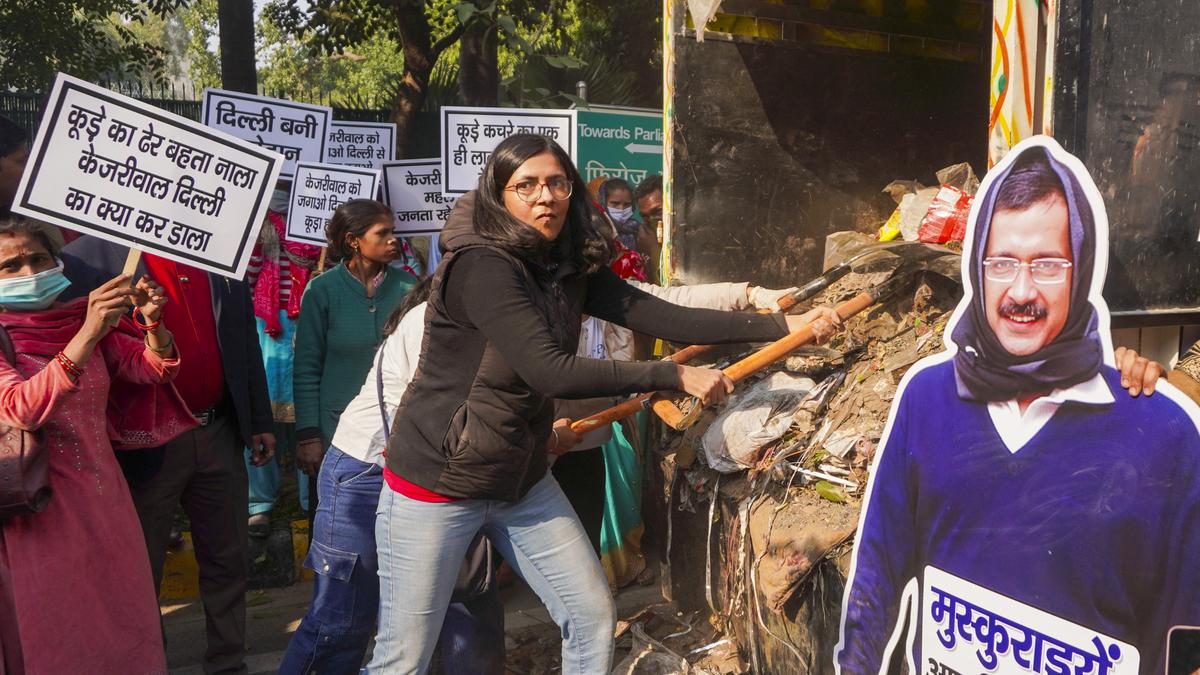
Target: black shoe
x,y
259,525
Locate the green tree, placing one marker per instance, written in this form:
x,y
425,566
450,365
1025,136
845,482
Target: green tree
x,y
90,39
628,35
201,64
361,76
424,32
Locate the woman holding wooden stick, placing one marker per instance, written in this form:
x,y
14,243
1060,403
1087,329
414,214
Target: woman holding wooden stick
x,y
468,449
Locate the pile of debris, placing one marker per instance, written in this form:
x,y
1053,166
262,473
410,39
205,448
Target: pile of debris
x,y
761,496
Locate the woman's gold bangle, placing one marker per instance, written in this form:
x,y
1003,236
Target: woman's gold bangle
x,y
163,349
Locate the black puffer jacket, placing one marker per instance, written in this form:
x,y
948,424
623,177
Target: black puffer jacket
x,y
500,339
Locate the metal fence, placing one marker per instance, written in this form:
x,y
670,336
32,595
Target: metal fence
x,y
183,100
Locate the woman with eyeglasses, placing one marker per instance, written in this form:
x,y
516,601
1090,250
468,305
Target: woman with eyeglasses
x,y
468,452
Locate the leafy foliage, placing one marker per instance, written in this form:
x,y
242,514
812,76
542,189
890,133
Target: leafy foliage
x,y
360,76
91,39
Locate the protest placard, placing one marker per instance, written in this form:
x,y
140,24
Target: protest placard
x,y
318,190
298,131
364,144
107,165
470,134
413,188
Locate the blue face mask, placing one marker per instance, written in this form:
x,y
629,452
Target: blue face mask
x,y
33,292
620,215
279,201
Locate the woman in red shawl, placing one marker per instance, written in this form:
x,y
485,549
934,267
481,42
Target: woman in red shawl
x,y
76,593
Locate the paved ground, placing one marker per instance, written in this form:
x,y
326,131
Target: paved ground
x,y
272,615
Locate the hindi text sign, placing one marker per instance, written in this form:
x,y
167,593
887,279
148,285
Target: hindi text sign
x,y
470,134
317,191
625,143
966,628
122,170
363,144
413,189
298,131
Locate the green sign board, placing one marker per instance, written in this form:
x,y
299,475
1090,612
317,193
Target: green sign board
x,y
622,143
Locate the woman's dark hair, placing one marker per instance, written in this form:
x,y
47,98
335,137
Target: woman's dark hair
x,y
415,296
12,136
580,241
34,228
354,217
648,186
611,185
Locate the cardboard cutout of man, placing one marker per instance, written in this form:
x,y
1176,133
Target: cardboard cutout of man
x,y
1024,516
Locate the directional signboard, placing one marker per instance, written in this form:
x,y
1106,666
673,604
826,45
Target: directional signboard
x,y
622,143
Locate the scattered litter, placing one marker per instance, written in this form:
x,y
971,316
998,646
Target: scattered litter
x,y
768,487
708,647
754,418
650,657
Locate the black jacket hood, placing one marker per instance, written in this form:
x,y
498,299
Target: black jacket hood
x,y
460,228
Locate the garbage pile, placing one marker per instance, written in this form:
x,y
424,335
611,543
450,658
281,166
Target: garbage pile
x,y
763,493
934,215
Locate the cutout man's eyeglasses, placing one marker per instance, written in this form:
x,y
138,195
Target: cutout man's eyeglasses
x,y
530,191
1043,270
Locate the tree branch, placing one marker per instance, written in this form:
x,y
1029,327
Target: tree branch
x,y
446,40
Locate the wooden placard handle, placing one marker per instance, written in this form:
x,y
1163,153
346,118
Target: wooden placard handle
x,y
131,264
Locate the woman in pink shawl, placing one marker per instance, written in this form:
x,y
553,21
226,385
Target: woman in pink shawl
x,y
76,594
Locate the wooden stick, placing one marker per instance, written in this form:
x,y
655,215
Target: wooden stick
x,y
131,264
321,260
680,419
636,404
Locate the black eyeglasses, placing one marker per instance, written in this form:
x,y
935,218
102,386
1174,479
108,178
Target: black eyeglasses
x,y
531,190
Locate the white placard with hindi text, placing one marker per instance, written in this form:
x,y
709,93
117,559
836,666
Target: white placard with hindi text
x,y
413,189
125,171
969,629
470,134
298,131
362,144
317,191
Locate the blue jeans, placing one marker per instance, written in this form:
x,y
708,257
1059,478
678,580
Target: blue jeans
x,y
264,480
333,636
421,547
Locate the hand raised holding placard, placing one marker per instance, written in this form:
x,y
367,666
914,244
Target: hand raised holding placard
x,y
149,298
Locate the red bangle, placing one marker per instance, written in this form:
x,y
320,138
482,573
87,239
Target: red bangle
x,y
144,327
69,366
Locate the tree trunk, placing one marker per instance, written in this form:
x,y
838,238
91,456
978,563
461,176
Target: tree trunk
x,y
238,67
479,68
420,56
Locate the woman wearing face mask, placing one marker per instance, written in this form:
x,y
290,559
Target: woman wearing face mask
x,y
616,196
470,442
78,364
341,325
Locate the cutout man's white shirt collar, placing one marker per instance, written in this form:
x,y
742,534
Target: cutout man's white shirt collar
x,y
1016,429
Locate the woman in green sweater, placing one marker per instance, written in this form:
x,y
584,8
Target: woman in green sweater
x,y
341,322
